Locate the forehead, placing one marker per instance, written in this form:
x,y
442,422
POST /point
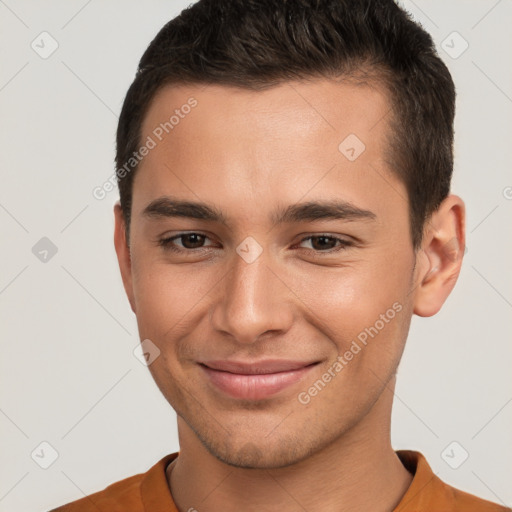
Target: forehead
x,y
249,147
291,109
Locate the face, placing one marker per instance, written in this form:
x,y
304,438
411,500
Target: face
x,y
282,303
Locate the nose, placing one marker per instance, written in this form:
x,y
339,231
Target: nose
x,y
253,300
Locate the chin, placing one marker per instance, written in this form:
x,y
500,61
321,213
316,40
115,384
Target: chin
x,y
260,454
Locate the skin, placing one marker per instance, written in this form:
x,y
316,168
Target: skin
x,y
248,153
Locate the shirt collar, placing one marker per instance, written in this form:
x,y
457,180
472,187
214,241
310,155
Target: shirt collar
x,y
426,489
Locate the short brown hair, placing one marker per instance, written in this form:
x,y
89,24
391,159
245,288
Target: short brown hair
x,y
257,44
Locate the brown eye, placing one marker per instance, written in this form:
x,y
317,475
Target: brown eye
x,y
192,240
184,242
320,243
325,243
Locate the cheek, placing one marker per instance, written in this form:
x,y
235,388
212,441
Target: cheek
x,y
167,296
344,301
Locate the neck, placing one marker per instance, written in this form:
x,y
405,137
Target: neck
x,y
358,471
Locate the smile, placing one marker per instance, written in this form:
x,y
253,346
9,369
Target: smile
x,y
255,381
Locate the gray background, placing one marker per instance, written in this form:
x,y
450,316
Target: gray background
x,y
69,376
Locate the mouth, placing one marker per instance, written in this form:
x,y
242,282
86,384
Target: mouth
x,y
256,380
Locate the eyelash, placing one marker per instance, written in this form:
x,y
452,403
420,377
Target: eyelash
x,y
167,244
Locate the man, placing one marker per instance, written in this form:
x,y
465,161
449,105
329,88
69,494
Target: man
x,y
284,171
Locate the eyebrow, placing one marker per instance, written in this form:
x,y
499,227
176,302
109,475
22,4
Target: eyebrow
x,y
169,207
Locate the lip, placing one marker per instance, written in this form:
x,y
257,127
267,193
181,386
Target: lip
x,y
257,380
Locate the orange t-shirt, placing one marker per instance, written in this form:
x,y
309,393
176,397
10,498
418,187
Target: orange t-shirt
x,y
149,492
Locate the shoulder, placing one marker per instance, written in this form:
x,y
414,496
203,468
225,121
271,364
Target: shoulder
x,y
117,496
428,493
126,495
470,502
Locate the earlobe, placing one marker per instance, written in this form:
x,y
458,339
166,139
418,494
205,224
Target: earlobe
x,y
440,258
123,253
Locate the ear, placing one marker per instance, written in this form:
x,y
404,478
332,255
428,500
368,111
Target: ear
x,y
439,260
123,253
